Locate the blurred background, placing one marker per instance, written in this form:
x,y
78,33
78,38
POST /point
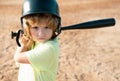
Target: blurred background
x,y
86,55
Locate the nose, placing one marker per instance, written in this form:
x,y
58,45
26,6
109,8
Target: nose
x,y
41,31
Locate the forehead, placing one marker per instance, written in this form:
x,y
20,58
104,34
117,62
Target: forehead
x,y
42,23
37,22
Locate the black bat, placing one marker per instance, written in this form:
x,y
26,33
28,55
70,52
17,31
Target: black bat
x,y
92,24
85,25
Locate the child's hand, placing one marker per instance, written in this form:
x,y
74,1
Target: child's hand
x,y
23,40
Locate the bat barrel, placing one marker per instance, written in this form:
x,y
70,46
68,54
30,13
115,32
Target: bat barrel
x,y
92,24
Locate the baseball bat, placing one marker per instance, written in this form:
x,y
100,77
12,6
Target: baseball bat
x,y
92,24
85,25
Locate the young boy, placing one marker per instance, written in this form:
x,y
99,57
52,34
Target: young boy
x,y
39,52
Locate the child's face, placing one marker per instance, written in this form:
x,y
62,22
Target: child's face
x,y
40,32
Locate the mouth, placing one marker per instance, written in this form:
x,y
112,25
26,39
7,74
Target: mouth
x,y
41,38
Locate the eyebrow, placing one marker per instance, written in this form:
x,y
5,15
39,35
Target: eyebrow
x,y
27,23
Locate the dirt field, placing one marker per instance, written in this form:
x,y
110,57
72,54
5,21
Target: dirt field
x,y
86,55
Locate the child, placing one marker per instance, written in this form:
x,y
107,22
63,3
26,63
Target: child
x,y
38,55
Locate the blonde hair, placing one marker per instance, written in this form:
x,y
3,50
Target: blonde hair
x,y
52,23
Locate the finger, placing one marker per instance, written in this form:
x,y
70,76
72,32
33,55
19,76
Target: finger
x,y
26,38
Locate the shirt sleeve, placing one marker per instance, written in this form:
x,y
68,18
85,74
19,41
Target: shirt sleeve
x,y
41,57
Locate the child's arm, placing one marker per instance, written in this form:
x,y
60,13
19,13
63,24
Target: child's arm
x,y
17,64
19,56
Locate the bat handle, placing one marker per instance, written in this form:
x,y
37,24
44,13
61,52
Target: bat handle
x,y
17,35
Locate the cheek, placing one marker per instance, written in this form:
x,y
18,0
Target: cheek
x,y
50,32
32,32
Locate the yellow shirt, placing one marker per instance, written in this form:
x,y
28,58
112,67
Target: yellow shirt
x,y
43,60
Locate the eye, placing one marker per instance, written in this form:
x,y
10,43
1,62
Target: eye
x,y
46,27
35,27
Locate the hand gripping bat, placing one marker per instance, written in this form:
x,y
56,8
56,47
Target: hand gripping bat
x,y
84,25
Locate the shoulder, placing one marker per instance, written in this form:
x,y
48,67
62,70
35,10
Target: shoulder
x,y
48,47
53,44
44,52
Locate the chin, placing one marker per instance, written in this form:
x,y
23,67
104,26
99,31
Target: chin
x,y
41,41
